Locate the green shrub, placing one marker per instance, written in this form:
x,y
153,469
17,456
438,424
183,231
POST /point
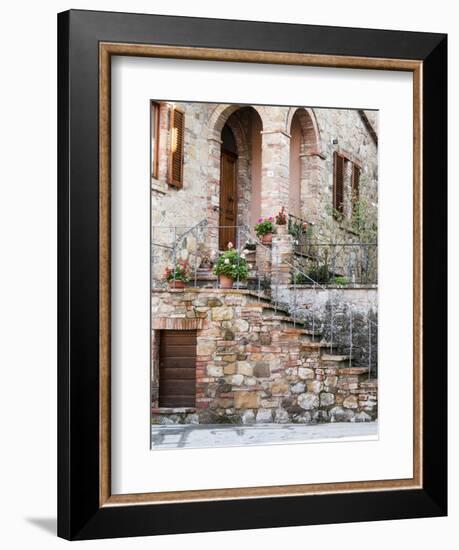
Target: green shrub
x,y
339,280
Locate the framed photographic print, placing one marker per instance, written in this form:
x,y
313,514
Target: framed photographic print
x,y
252,274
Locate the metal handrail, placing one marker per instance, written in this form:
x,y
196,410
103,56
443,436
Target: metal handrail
x,y
243,235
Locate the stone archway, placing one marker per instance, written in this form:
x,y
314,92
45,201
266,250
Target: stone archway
x,y
304,168
237,118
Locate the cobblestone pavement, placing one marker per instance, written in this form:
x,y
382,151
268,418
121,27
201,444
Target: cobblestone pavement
x,y
218,435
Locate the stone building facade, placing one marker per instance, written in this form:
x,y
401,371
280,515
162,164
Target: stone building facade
x,y
284,158
268,350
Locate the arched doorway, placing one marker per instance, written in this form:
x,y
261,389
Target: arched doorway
x,y
228,189
304,176
294,195
238,193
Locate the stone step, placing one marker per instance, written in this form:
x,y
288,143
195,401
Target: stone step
x,y
314,345
353,371
370,384
328,358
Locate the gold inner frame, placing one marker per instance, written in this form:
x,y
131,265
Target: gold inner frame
x,y
106,51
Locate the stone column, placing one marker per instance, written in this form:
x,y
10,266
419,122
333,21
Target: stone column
x,y
274,171
281,261
213,191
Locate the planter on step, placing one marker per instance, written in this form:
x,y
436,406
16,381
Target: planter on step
x,y
177,284
267,239
225,282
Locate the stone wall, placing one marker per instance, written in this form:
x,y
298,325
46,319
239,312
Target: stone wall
x,y
255,365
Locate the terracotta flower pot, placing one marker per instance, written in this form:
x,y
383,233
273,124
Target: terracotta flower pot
x,y
267,239
177,284
225,282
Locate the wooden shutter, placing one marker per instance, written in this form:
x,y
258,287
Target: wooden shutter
x,y
355,185
338,183
177,134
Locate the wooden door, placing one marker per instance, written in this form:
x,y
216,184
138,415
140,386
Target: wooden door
x,y
228,200
177,368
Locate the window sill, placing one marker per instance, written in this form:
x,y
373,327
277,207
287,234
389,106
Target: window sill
x,y
158,186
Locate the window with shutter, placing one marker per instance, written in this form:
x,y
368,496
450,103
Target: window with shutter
x,y
355,185
338,184
177,131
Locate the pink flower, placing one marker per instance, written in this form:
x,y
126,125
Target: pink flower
x,y
271,218
260,220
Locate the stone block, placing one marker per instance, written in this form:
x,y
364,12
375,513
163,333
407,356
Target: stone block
x,y
331,382
245,368
222,313
229,369
237,379
240,325
214,371
270,403
326,399
214,302
280,387
351,402
248,417
305,374
281,416
362,417
264,415
206,346
246,400
262,369
315,386
299,387
308,401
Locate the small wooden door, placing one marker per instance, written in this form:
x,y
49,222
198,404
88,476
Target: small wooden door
x,y
228,200
177,368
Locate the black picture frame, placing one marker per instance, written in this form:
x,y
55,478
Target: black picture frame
x,y
80,515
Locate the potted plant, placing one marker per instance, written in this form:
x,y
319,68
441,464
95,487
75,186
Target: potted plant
x,y
281,222
264,229
178,277
231,266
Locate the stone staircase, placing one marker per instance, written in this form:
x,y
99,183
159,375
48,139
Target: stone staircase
x,y
256,363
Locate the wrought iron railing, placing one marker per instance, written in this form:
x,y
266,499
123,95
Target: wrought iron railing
x,y
196,246
344,264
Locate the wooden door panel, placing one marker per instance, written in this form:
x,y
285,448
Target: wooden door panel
x,y
228,200
178,401
177,362
173,374
177,387
181,351
177,368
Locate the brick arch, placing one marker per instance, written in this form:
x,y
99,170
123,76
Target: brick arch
x,y
310,128
221,114
309,163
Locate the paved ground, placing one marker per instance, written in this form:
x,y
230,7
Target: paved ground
x,y
218,435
